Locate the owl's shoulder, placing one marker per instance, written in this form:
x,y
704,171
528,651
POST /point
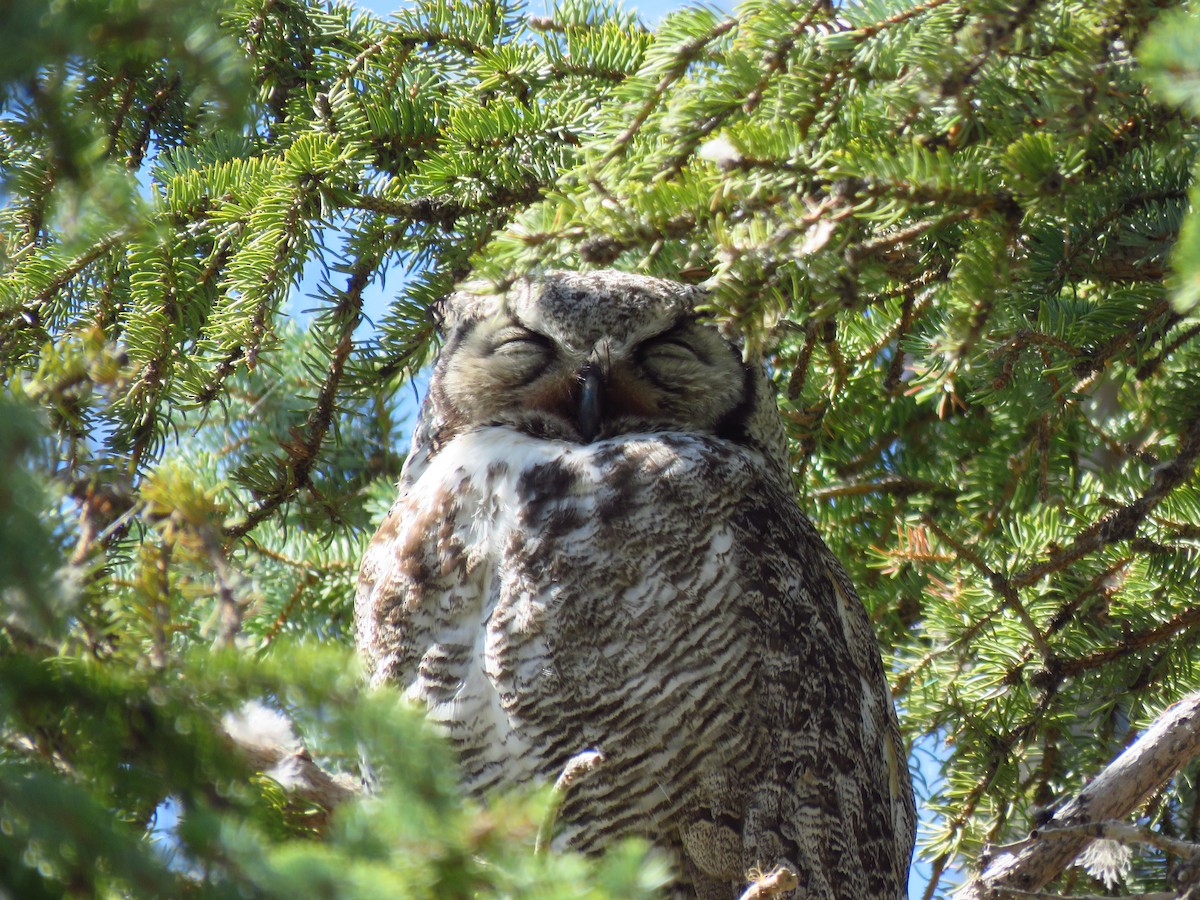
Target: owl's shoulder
x,y
496,457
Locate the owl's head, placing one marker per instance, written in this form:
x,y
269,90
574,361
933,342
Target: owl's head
x,y
582,357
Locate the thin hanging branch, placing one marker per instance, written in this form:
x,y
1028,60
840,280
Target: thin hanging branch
x,y
302,453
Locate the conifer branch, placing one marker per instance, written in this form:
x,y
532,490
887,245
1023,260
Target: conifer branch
x,y
1151,366
1122,524
548,25
1002,585
122,112
603,249
1001,201
1126,644
799,375
894,484
445,212
996,33
845,43
1119,264
870,455
305,584
687,54
1100,584
899,18
154,115
1135,131
1096,361
225,368
901,237
430,37
773,63
76,267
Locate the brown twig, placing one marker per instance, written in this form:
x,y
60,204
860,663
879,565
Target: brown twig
x,y
578,767
770,884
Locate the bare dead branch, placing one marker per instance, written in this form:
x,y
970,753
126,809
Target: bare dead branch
x,y
1124,833
1168,745
1012,894
273,750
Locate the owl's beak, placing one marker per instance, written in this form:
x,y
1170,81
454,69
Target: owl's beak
x,y
591,401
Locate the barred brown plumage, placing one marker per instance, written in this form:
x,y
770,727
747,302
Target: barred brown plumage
x,y
596,546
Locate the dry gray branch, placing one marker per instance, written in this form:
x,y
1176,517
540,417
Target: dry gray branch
x,y
1023,868
267,742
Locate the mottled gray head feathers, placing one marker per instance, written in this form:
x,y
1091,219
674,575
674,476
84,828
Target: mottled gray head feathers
x,y
582,357
583,306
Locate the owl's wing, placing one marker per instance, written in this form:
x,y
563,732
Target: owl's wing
x,y
435,605
838,802
702,635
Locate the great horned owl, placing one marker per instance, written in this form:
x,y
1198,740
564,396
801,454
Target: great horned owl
x,y
596,546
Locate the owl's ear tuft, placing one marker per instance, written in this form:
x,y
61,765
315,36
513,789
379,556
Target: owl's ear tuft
x,y
439,312
472,301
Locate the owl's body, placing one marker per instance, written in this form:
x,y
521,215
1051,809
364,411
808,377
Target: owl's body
x,y
580,561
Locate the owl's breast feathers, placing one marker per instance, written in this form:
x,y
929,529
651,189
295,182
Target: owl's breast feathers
x,y
659,598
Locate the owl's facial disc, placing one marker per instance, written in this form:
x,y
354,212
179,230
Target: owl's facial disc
x,y
673,375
